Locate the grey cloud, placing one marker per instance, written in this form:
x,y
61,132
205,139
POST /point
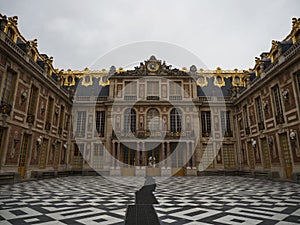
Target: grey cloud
x,y
221,33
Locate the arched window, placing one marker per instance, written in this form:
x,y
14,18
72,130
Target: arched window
x,y
153,120
175,120
129,120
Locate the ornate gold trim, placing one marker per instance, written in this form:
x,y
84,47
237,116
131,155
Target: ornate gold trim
x,y
202,84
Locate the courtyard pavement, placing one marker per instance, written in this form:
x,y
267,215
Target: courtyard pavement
x,y
182,200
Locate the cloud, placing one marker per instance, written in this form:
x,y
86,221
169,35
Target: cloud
x,y
221,33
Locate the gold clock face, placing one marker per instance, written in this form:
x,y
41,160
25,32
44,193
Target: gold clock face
x,y
152,67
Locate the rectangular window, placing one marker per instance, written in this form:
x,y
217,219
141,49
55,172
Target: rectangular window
x,y
152,88
49,113
1,138
61,117
277,104
81,122
67,121
33,100
9,87
175,88
298,81
206,123
246,119
100,122
130,88
225,123
259,110
260,117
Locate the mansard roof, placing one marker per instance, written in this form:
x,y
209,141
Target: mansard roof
x,y
208,81
9,27
214,82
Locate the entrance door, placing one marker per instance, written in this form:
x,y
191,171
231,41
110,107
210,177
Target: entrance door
x,y
153,162
250,156
266,154
98,156
23,156
286,155
177,150
44,154
128,159
77,156
229,157
1,140
56,155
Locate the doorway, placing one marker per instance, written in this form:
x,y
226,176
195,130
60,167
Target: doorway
x,y
23,156
177,157
128,159
286,155
153,159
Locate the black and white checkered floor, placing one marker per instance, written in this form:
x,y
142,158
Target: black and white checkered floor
x,y
183,200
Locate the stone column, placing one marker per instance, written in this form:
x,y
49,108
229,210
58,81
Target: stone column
x,y
137,162
194,155
113,157
118,155
188,154
162,153
169,158
143,154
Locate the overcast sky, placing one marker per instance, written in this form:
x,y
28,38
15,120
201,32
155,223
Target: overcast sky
x,y
225,33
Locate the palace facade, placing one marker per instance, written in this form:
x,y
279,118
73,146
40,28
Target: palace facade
x,y
151,120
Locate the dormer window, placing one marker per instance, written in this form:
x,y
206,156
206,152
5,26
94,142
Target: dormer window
x,y
201,79
33,55
70,79
10,33
219,79
237,79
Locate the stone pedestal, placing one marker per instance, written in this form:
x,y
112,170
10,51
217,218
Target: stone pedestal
x,y
191,172
166,172
140,171
115,172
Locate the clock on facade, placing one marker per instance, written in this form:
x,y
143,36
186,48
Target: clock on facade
x,y
152,67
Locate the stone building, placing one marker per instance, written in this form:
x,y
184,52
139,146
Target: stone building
x,y
34,110
150,120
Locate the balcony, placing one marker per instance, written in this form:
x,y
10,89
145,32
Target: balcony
x,y
206,134
91,98
130,98
99,134
153,98
228,133
143,134
175,98
101,98
80,134
5,108
214,99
